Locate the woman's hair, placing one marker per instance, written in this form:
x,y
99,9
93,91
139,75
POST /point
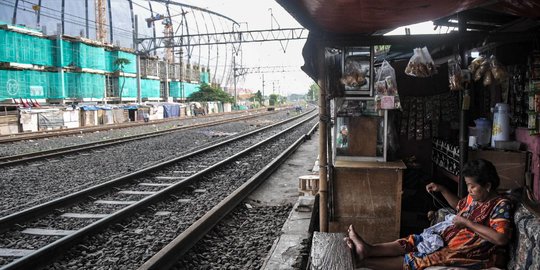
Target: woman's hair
x,y
482,171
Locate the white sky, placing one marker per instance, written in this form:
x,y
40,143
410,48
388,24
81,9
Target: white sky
x,y
257,15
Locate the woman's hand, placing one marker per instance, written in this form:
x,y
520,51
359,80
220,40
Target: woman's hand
x,y
432,187
451,198
461,222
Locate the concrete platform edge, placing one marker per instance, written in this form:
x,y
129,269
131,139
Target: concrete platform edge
x,y
287,249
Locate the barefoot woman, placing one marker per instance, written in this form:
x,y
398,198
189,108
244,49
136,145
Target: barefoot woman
x,y
480,230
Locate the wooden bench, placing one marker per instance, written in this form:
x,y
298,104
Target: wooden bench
x,y
329,251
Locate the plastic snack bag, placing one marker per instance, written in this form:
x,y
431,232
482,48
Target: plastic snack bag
x,y
497,70
414,62
430,64
421,64
455,78
476,63
386,87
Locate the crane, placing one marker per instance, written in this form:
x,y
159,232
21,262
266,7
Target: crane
x,y
101,29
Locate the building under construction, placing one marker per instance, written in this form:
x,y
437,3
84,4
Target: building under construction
x,y
103,51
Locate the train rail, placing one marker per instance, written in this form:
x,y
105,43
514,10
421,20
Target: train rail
x,y
16,159
80,130
167,183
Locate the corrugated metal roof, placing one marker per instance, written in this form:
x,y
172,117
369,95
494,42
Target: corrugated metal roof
x,y
370,16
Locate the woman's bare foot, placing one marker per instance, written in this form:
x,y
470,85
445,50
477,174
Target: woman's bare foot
x,y
356,243
357,261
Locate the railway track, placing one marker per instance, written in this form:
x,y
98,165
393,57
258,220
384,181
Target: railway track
x,y
17,159
132,193
27,184
80,130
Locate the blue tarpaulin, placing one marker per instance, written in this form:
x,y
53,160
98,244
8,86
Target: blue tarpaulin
x,y
129,107
89,108
171,110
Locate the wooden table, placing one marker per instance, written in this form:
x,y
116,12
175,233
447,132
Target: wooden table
x,y
367,195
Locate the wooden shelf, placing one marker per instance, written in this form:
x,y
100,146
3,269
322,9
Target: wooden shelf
x,y
370,164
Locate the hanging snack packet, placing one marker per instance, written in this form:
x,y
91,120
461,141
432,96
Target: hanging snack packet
x,y
455,78
421,64
430,64
475,64
386,87
497,70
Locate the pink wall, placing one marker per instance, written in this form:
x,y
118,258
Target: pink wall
x,y
533,146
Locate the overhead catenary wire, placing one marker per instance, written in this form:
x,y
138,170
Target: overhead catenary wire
x,y
216,56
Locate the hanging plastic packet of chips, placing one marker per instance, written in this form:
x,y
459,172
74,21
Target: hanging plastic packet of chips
x,y
421,64
455,78
490,71
386,87
497,70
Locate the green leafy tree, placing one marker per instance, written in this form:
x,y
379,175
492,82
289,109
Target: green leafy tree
x,y
273,100
313,93
121,63
210,93
259,97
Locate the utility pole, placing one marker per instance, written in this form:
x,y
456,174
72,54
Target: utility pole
x,y
263,86
234,77
137,62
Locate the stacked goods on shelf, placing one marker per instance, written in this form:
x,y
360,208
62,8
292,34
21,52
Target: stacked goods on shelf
x,y
534,94
446,155
421,116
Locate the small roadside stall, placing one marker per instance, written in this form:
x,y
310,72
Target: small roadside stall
x,y
405,109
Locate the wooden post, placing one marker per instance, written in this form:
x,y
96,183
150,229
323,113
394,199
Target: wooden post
x,y
323,137
463,119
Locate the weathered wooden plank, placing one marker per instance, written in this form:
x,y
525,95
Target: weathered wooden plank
x,y
12,252
170,178
84,215
115,202
155,184
370,199
137,192
40,231
329,252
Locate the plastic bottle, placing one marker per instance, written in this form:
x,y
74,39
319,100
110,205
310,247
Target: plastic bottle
x,y
501,123
483,131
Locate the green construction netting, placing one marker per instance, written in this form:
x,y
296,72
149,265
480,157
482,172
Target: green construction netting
x,y
205,77
132,66
84,85
87,56
109,59
24,84
130,87
67,54
150,88
56,90
111,56
175,89
25,49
